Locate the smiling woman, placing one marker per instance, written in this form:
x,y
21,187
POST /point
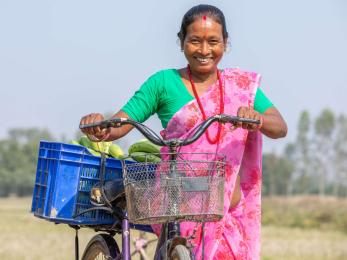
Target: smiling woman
x,y
185,97
204,45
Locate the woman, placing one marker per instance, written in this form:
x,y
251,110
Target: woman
x,y
184,97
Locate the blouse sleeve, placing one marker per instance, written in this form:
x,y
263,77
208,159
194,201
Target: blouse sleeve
x,y
261,102
144,102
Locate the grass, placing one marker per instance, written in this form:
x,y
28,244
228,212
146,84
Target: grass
x,y
294,243
306,212
23,236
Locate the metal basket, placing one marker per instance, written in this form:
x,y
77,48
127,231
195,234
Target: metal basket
x,y
190,188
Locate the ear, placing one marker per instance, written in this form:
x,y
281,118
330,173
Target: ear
x,y
182,44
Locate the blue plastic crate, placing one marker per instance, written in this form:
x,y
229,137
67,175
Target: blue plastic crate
x,y
64,177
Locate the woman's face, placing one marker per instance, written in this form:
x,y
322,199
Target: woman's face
x,y
204,45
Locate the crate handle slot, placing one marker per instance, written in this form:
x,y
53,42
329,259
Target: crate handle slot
x,y
91,209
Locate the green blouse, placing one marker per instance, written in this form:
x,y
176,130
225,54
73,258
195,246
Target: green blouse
x,y
164,93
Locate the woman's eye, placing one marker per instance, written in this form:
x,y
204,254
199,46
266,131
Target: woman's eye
x,y
195,41
213,42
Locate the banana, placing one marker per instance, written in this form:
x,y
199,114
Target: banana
x,y
144,157
93,152
115,151
106,147
101,146
74,142
85,141
144,146
96,146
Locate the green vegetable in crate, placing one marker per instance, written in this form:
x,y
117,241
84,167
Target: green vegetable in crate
x,y
88,144
85,142
124,156
74,142
101,146
144,146
96,146
93,152
115,151
144,157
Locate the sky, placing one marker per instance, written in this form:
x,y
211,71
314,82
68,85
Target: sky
x,y
60,60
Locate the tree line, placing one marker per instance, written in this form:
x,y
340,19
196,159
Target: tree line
x,y
18,158
314,163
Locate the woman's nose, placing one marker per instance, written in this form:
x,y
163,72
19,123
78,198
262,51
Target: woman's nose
x,y
205,48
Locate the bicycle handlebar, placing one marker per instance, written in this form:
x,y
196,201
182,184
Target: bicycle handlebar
x,y
156,139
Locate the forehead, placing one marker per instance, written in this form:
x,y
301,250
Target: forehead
x,y
205,25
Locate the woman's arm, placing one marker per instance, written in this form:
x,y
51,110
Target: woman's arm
x,y
109,134
272,124
139,107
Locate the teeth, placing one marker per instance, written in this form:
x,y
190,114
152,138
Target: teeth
x,y
202,60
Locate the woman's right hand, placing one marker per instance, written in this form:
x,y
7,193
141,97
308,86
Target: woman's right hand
x,y
95,134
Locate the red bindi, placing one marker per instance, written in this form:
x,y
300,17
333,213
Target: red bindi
x,y
204,17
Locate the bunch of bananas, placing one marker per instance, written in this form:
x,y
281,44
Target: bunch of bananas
x,y
96,148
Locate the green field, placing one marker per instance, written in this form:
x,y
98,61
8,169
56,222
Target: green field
x,y
26,237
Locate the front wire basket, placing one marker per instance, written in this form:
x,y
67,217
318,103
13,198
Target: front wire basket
x,y
190,188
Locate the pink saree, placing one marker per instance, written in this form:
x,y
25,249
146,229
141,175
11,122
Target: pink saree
x,y
237,234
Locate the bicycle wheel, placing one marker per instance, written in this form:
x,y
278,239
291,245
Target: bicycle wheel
x,y
102,247
180,252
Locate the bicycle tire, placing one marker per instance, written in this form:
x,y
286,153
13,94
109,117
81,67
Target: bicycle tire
x,y
101,246
180,252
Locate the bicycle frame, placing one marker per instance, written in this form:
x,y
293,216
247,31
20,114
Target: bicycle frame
x,y
125,238
171,229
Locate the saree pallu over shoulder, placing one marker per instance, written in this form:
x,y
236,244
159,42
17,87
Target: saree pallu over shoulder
x,y
237,234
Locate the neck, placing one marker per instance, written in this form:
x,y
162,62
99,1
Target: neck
x,y
203,77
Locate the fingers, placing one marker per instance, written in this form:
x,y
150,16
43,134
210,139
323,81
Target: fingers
x,y
103,135
94,133
250,113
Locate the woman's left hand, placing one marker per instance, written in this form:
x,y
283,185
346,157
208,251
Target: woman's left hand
x,y
248,112
271,122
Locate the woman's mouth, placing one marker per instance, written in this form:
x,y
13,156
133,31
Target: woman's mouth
x,y
203,60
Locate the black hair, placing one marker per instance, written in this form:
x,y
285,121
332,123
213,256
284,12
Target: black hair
x,y
199,11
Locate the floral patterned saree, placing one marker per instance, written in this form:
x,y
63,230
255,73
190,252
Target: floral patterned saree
x,y
237,234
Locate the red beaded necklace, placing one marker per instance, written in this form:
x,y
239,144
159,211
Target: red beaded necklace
x,y
221,102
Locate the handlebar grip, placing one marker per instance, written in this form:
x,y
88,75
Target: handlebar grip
x,y
248,120
115,122
235,119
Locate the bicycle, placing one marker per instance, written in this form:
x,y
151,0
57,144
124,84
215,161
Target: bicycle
x,y
186,196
